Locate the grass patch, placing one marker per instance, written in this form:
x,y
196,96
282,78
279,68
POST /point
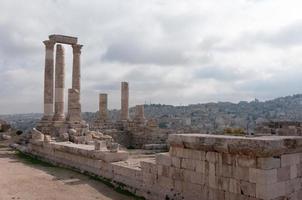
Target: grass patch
x,y
32,160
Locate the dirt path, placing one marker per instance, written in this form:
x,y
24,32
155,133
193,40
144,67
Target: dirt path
x,y
22,180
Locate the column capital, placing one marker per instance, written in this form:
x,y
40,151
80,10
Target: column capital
x,y
49,44
77,48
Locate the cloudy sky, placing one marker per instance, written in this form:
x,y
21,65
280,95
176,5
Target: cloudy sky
x,y
171,52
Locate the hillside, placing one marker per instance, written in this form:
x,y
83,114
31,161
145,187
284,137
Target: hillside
x,y
206,117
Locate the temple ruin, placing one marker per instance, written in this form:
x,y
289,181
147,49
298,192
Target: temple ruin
x,y
54,121
197,166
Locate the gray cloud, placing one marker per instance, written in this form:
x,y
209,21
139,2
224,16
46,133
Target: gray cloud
x,y
170,52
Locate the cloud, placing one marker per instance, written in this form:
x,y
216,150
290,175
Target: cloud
x,y
170,52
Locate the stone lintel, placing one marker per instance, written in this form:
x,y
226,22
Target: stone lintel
x,y
63,39
264,146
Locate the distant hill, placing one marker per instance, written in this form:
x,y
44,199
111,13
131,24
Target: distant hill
x,y
207,117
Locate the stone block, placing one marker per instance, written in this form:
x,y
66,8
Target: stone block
x,y
245,161
194,177
176,162
165,182
234,186
200,166
241,173
290,159
269,163
283,174
270,191
213,157
114,157
262,176
188,164
163,159
293,171
212,177
187,153
248,189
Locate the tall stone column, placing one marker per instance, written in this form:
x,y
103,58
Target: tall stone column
x,y
76,67
59,84
103,107
124,101
48,80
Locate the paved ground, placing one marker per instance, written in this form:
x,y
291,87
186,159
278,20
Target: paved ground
x,y
22,180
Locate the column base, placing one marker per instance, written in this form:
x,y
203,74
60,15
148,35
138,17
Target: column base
x,y
58,117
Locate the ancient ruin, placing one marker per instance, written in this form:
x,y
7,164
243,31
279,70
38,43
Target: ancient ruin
x,y
197,166
54,121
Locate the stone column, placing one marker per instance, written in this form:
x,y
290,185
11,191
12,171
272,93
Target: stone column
x,y
124,101
48,80
76,67
59,84
103,107
140,112
74,106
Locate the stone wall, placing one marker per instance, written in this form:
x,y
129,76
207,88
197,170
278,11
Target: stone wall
x,y
207,167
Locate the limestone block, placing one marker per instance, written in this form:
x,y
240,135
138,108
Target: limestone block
x,y
187,153
165,182
100,145
200,166
114,157
268,163
293,171
247,188
37,135
214,157
241,173
72,132
270,191
234,186
229,159
283,174
194,177
47,138
216,194
163,170
64,137
176,162
262,176
290,159
192,191
245,161
188,164
163,159
148,167
176,173
63,39
227,171
112,146
212,177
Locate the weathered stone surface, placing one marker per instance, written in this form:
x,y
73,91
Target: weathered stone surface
x,y
264,146
48,80
37,135
63,39
124,101
59,84
103,98
74,106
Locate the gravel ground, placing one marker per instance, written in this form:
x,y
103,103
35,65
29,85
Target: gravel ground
x,y
20,179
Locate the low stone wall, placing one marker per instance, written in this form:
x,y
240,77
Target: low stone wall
x,y
203,167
